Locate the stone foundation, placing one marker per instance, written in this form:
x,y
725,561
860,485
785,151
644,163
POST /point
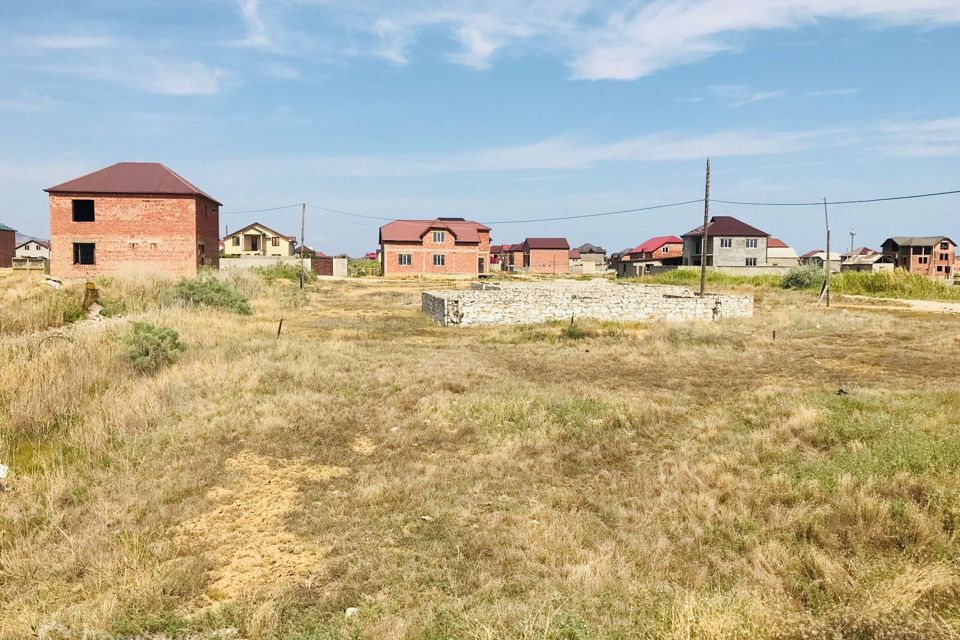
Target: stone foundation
x,y
525,303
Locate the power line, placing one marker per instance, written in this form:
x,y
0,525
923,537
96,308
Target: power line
x,y
634,210
289,206
821,203
597,215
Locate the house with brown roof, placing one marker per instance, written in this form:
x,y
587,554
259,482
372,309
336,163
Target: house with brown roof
x,y
139,215
439,247
258,240
931,256
730,243
546,255
658,251
818,258
591,258
8,245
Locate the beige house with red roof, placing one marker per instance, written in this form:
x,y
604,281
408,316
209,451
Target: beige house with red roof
x,y
259,240
779,254
138,215
440,247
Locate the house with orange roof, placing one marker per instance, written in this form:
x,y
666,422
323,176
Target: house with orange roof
x,y
439,247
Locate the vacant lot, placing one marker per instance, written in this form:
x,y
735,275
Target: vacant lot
x,y
685,481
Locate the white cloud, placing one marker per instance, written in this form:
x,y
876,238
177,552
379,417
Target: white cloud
x,y
256,28
736,95
609,39
831,93
59,42
921,139
183,79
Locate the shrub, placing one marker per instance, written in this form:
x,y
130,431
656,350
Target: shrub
x,y
573,331
207,291
150,347
363,268
283,271
806,277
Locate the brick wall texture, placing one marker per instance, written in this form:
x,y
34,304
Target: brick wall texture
x,y
8,242
174,235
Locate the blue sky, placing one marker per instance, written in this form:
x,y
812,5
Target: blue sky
x,y
495,110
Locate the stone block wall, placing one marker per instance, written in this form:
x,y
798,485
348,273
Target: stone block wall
x,y
565,299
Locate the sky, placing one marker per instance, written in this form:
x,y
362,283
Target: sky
x,y
495,110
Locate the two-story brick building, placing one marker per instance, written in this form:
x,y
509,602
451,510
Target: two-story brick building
x,y
655,252
931,256
440,247
132,215
546,255
730,243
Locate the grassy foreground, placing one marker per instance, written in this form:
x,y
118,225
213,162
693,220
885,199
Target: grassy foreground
x,y
653,481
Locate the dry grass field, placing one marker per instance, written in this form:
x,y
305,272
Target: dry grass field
x,y
642,481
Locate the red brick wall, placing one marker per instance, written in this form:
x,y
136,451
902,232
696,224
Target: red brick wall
x,y
549,261
165,230
8,242
460,259
208,232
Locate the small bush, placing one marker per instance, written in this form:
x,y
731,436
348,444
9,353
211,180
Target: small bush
x,y
363,268
150,347
283,271
573,331
806,277
207,291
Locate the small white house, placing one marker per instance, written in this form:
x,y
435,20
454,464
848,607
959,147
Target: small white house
x,y
33,249
258,240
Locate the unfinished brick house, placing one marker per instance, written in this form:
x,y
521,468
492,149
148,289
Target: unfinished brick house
x,y
546,255
931,256
8,246
132,215
656,252
440,247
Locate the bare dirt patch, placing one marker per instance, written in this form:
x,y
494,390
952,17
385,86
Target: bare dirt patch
x,y
245,538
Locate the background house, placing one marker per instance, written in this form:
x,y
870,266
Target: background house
x,y
8,245
32,248
817,257
131,214
546,255
655,252
258,240
730,243
440,247
870,263
593,258
927,255
779,254
575,261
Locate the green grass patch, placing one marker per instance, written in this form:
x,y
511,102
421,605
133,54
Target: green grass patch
x,y
207,291
284,271
691,278
894,284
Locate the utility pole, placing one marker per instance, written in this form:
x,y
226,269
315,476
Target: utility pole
x,y
826,262
703,245
303,217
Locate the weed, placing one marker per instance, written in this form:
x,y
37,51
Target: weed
x,y
207,291
284,271
150,348
806,277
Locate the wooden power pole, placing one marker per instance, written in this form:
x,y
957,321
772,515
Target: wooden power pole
x,y
826,260
703,241
303,217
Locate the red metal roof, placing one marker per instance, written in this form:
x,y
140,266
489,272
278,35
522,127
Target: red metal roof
x,y
464,231
655,243
496,248
776,243
573,254
727,226
141,178
546,243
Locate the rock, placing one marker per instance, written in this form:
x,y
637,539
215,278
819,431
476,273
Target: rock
x,y
352,612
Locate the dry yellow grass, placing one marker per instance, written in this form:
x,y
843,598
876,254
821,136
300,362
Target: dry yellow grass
x,y
688,481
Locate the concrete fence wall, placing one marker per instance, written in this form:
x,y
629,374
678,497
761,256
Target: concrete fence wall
x,y
565,299
759,270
